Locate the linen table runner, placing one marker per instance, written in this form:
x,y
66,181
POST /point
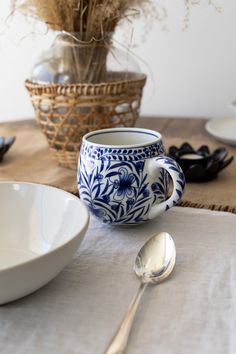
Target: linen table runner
x,y
193,311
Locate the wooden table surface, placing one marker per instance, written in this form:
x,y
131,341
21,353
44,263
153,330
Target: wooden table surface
x,y
29,160
185,128
169,127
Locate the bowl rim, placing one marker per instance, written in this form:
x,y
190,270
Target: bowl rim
x,y
58,248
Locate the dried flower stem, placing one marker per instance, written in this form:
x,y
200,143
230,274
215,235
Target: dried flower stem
x,y
92,19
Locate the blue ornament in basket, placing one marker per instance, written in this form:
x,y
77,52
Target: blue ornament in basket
x,y
123,175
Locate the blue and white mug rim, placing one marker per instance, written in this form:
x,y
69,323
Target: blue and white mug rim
x,y
157,137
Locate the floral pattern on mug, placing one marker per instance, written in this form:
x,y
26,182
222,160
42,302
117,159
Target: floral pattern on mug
x,y
118,192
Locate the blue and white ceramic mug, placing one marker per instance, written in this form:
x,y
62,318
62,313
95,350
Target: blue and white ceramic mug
x,y
123,175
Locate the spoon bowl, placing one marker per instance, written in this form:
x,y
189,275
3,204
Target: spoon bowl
x,y
156,259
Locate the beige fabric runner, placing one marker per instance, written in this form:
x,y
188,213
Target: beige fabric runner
x,y
193,312
29,160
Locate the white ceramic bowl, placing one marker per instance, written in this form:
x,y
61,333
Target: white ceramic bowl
x,y
41,228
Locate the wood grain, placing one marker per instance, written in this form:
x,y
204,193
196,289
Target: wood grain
x,y
29,160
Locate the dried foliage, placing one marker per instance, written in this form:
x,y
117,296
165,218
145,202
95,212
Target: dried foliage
x,y
87,22
91,18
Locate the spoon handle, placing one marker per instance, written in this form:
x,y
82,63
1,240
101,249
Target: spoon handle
x,y
119,341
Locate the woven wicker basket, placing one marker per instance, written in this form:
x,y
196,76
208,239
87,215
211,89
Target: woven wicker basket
x,y
66,112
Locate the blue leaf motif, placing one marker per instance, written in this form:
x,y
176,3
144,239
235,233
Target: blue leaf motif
x,y
86,199
110,174
120,164
179,192
174,168
143,189
85,193
161,187
143,201
106,187
98,190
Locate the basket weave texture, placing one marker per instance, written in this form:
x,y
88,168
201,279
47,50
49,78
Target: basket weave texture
x,y
66,112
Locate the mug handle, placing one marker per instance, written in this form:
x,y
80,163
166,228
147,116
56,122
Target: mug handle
x,y
178,179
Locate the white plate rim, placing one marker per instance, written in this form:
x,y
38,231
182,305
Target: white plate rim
x,y
218,136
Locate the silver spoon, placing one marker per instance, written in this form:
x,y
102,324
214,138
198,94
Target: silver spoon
x,y
154,262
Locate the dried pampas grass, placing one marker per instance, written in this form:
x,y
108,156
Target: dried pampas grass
x,y
93,18
90,18
86,25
